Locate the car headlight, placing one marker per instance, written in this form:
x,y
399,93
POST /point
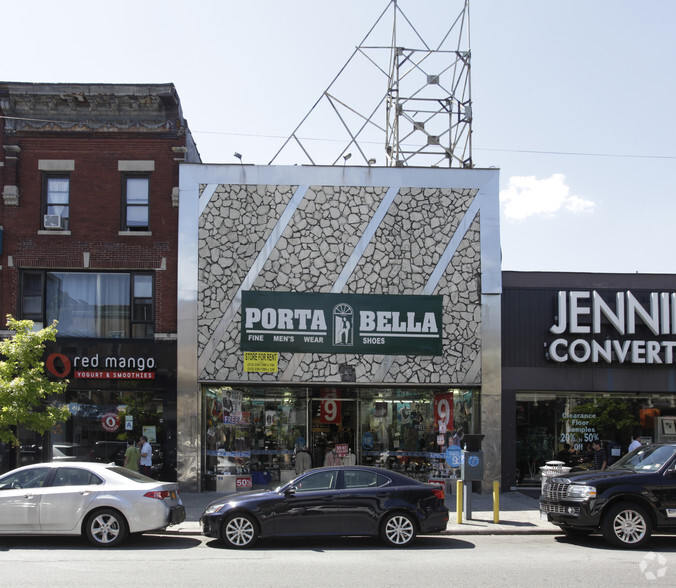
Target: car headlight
x,y
212,508
581,492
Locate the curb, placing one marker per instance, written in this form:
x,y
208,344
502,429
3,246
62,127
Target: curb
x,y
447,532
488,531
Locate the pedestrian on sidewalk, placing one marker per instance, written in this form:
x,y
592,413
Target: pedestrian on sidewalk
x,y
132,456
600,456
636,441
146,460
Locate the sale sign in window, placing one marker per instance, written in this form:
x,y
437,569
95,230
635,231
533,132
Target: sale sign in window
x,y
329,407
443,411
243,483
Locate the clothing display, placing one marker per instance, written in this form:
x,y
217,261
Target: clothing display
x,y
303,461
332,459
350,459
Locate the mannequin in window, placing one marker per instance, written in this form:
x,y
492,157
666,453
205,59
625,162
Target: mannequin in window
x,y
332,458
303,460
350,459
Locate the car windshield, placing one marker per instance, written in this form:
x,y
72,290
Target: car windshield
x,y
649,458
28,478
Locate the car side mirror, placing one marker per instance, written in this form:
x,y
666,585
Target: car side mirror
x,y
670,473
290,491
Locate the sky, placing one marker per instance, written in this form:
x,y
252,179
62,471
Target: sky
x,y
573,101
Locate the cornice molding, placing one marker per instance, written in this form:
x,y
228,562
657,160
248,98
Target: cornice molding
x,y
90,108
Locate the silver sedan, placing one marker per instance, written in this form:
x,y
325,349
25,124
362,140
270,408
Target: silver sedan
x,y
102,502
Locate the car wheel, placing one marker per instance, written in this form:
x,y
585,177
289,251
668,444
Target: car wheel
x,y
626,525
575,532
397,530
106,528
239,531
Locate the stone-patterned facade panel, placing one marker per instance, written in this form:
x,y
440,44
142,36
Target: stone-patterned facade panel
x,y
233,229
309,256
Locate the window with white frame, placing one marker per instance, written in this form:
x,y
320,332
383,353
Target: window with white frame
x,y
136,206
56,201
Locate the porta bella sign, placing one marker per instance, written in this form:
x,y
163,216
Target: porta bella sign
x,y
620,327
341,323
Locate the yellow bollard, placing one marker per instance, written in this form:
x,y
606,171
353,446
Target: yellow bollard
x,y
458,501
496,501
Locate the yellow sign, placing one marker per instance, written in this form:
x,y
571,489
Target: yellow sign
x,y
261,361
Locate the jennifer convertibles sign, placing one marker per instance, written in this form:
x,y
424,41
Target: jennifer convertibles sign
x,y
341,323
622,328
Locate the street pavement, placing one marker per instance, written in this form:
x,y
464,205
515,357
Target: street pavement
x,y
518,513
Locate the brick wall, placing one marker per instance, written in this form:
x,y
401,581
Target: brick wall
x,y
95,214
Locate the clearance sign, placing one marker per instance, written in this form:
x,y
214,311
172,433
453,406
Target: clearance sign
x,y
341,323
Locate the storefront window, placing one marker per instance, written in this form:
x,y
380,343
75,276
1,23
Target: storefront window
x,y
563,426
253,433
273,434
409,430
100,424
103,420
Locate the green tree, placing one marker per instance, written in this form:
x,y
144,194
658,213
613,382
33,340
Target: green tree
x,y
24,387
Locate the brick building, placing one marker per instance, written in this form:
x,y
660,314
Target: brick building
x,y
89,217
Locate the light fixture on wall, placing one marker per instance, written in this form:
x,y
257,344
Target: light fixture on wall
x,y
372,161
238,156
346,157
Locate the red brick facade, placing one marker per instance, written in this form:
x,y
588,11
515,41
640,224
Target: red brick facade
x,y
93,144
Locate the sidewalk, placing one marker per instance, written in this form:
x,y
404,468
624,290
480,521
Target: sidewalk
x,y
518,514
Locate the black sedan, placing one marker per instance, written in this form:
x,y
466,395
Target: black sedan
x,y
332,501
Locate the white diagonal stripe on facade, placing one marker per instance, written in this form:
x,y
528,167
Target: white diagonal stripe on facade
x,y
365,239
254,271
350,265
205,197
435,276
452,247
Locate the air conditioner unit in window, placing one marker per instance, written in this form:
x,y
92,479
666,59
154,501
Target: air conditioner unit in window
x,y
52,221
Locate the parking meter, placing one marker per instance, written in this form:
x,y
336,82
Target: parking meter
x,y
472,467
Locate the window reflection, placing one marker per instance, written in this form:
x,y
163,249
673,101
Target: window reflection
x,y
89,305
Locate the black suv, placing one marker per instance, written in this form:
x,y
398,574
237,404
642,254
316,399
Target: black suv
x,y
633,498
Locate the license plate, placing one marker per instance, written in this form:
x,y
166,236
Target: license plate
x,y
544,516
177,515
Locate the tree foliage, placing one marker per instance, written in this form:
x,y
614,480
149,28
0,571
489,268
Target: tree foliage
x,y
608,416
25,390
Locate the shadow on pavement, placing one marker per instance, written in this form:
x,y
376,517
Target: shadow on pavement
x,y
325,544
481,523
135,542
659,543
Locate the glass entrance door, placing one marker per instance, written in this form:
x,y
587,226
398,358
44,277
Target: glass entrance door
x,y
333,429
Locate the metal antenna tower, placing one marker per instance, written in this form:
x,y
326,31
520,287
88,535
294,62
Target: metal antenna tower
x,y
403,101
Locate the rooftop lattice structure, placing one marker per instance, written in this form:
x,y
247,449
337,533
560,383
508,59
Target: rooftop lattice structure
x,y
400,100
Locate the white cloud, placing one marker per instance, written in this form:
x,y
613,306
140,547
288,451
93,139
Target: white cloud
x,y
527,196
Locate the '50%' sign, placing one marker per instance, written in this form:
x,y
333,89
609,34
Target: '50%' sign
x,y
243,483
